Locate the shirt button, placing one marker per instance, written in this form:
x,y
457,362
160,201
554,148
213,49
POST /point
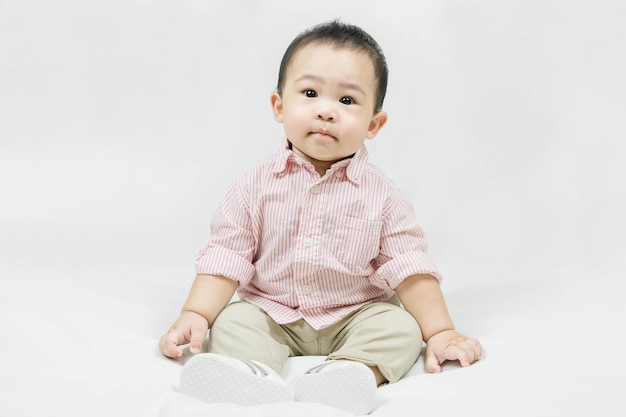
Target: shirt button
x,y
339,174
308,241
306,289
315,189
295,168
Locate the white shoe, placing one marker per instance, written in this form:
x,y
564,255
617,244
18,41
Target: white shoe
x,y
213,378
343,384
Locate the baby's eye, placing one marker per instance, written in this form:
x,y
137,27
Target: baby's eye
x,y
346,100
310,93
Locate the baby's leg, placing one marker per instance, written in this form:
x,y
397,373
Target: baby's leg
x,y
244,331
377,343
380,335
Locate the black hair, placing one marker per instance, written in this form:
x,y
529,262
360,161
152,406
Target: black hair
x,y
341,35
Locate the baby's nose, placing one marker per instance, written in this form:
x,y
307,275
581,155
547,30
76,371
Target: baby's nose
x,y
326,110
325,115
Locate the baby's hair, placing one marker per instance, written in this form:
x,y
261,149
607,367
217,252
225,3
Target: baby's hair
x,y
340,35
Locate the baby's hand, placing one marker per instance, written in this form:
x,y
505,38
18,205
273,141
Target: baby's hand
x,y
190,328
451,345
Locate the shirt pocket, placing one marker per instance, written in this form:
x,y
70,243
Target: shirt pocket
x,y
357,241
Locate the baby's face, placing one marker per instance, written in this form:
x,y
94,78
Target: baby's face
x,y
327,103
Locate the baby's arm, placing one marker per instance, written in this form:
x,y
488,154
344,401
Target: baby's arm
x,y
208,296
422,297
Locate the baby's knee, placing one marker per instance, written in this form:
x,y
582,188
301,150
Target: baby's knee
x,y
244,331
237,315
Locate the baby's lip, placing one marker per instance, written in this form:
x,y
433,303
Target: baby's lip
x,y
324,132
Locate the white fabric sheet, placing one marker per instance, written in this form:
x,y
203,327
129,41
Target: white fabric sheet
x,y
123,122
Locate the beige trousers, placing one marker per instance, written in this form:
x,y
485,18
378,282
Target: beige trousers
x,y
379,334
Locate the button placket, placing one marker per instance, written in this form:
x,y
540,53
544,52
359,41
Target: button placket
x,y
308,241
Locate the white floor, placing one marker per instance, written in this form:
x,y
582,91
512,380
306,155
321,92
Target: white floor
x,y
73,347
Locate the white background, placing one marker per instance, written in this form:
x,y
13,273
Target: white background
x,y
122,123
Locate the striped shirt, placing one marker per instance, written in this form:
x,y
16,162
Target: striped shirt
x,y
303,246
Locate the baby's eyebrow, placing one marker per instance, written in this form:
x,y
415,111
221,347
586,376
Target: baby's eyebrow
x,y
343,84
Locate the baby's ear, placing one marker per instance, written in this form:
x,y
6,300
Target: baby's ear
x,y
277,106
377,123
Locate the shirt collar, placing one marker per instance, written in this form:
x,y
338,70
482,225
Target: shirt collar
x,y
354,166
283,156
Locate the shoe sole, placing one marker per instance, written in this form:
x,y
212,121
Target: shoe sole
x,y
211,380
348,386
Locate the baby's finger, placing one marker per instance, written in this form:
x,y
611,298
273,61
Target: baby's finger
x,y
472,349
197,338
462,356
466,354
169,346
478,349
432,363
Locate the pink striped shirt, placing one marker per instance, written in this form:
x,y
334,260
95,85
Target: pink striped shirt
x,y
318,248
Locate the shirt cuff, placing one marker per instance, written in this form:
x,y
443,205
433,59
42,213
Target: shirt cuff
x,y
215,260
393,272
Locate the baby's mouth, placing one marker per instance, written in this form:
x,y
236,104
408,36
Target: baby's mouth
x,y
323,134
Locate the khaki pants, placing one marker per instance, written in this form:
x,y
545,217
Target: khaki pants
x,y
378,334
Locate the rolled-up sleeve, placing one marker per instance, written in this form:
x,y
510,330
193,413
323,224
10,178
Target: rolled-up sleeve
x,y
233,243
403,247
